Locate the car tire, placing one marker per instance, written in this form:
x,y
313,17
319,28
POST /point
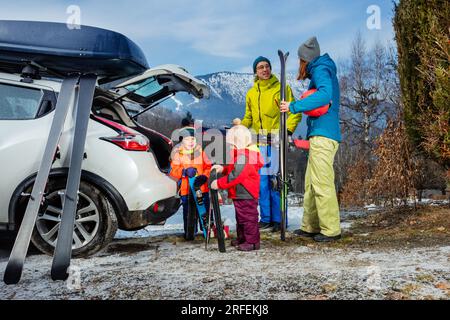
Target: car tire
x,y
99,229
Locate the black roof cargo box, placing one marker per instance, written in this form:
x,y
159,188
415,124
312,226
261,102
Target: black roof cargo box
x,y
61,50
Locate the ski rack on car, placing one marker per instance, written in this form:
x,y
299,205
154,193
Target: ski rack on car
x,y
80,58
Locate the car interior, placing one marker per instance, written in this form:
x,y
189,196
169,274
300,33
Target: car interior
x,y
104,106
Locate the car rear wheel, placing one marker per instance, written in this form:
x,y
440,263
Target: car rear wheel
x,y
95,221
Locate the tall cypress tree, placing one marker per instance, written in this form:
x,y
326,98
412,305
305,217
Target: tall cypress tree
x,y
422,30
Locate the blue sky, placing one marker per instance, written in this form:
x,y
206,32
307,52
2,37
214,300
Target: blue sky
x,y
207,36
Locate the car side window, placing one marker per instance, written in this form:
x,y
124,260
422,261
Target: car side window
x,y
19,103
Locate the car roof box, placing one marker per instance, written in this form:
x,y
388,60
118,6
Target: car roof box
x,y
59,50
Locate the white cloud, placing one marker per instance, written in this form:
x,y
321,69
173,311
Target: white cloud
x,y
309,24
217,37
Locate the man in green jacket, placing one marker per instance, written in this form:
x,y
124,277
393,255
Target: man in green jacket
x,y
262,115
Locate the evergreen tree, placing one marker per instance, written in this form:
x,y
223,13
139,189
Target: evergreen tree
x,y
422,34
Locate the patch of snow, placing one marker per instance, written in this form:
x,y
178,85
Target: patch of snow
x,y
150,231
371,207
178,102
410,202
346,225
196,100
174,224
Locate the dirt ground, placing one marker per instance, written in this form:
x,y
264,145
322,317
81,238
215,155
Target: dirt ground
x,y
397,255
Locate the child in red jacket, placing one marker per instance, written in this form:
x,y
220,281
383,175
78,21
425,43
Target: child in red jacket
x,y
241,178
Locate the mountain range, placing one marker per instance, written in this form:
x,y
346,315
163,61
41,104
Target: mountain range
x,y
227,98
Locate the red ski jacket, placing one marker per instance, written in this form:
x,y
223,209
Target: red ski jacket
x,y
242,172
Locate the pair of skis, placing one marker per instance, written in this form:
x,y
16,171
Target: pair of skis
x,y
75,90
202,213
201,208
284,143
214,196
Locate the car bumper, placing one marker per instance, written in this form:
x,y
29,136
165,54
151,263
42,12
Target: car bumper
x,y
158,212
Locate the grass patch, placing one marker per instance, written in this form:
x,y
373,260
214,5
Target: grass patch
x,y
403,227
425,278
409,289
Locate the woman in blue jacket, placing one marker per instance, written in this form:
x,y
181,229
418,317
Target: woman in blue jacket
x,y
321,219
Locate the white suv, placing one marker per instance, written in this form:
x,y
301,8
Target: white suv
x,y
123,184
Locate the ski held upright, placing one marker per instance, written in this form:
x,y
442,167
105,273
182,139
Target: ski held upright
x,y
283,147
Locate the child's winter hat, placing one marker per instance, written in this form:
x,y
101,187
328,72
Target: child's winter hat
x,y
258,60
186,132
239,136
309,50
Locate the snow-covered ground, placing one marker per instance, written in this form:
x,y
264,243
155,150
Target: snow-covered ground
x,y
164,268
156,263
175,223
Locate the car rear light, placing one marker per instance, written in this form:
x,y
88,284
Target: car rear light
x,y
130,142
127,138
157,207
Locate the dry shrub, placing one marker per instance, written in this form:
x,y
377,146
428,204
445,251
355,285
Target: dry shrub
x,y
393,176
354,191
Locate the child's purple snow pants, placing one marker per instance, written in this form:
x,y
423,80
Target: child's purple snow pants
x,y
247,221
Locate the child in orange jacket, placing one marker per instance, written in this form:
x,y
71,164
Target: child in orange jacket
x,y
188,161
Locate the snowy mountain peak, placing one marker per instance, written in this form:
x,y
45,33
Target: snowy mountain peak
x,y
229,85
227,99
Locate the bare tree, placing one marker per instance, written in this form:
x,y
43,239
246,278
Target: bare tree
x,y
368,92
162,120
370,98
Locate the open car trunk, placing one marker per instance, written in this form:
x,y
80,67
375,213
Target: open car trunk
x,y
34,49
158,83
147,90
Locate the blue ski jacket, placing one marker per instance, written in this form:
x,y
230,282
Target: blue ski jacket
x,y
322,71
